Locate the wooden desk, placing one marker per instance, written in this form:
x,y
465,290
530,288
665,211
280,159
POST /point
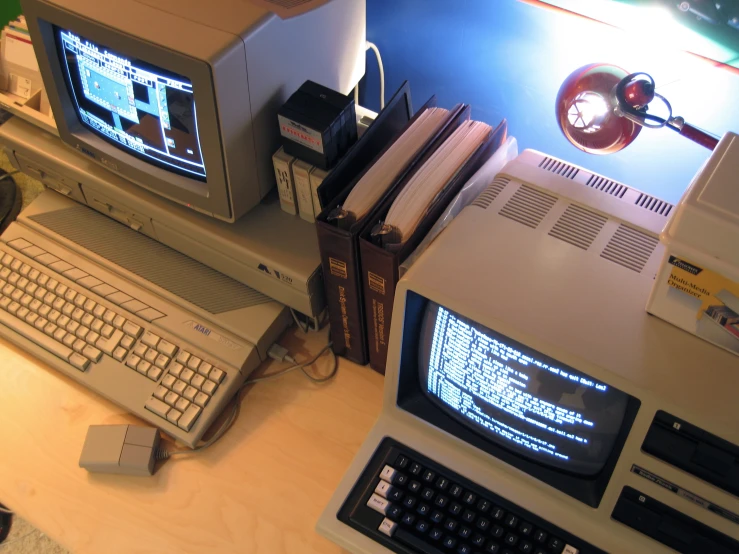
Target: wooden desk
x,y
260,489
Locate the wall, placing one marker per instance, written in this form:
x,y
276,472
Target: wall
x,y
507,59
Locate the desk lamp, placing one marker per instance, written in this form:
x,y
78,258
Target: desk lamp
x,y
601,109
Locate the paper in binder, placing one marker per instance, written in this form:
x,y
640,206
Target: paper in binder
x,y
338,236
412,214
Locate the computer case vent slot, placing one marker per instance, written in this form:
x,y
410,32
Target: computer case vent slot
x,y
578,226
182,276
492,191
606,185
528,206
654,204
630,248
560,168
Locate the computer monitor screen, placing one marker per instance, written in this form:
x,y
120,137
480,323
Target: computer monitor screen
x,y
145,110
517,397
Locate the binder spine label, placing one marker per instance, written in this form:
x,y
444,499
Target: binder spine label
x,y
376,283
337,268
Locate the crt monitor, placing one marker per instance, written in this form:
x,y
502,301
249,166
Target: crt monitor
x,y
516,397
181,98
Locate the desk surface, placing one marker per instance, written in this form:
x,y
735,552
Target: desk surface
x,y
260,489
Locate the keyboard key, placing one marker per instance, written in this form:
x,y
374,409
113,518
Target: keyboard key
x,y
216,375
511,520
497,531
82,332
118,297
99,311
464,532
50,329
204,369
401,462
423,509
186,375
161,361
478,540
408,519
25,268
26,300
451,524
464,549
484,505
422,526
59,334
175,369
157,406
126,342
511,539
16,295
469,498
197,381
89,282
182,404
92,353
109,316
31,288
23,312
133,361
437,516
119,321
78,314
143,367
387,527
436,534
455,491
415,468
469,516
498,513
540,536
169,381
31,317
59,304
171,398
34,274
74,274
35,305
180,386
134,306
80,300
140,349
87,320
378,504
193,362
209,387
92,338
427,494
173,415
189,416
449,542
119,353
555,545
70,295
190,393
44,310
132,329
492,547
526,547
201,399
428,476
183,356
79,345
150,339
455,509
526,528
90,305
483,524
395,512
160,392
104,290
97,325
5,302
383,488
108,330
79,361
401,479
154,373
16,264
149,314
166,348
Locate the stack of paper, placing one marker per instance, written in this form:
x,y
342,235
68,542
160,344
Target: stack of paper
x,y
19,71
385,171
414,200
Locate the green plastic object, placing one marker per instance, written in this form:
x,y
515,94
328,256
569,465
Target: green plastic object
x,y
9,10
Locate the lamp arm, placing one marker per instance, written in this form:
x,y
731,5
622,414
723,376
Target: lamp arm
x,y
693,133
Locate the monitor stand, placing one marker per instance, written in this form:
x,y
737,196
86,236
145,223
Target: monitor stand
x,y
271,251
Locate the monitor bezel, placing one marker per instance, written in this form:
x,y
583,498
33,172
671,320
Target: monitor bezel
x,y
412,399
212,196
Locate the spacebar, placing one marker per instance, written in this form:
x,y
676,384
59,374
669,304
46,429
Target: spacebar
x,y
36,336
414,542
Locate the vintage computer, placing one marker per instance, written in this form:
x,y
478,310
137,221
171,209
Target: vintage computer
x,y
531,403
166,112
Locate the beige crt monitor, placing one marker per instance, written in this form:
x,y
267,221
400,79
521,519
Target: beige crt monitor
x,y
181,96
527,384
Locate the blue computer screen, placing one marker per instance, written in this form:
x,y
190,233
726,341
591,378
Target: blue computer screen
x,y
518,397
142,109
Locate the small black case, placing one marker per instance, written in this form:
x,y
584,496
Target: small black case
x,y
317,125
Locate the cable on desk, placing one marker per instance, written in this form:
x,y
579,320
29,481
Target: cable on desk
x,y
373,47
4,511
276,352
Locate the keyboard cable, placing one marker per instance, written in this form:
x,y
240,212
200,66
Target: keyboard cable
x,y
276,352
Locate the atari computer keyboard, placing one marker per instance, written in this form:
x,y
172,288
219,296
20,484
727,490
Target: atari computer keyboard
x,y
410,503
169,366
